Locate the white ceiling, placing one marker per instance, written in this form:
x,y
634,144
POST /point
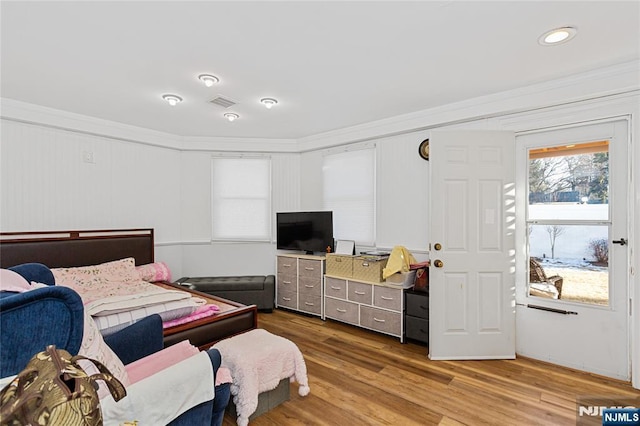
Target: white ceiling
x,y
330,64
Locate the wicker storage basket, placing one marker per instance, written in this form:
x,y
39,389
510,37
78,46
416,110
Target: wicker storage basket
x,y
369,268
340,265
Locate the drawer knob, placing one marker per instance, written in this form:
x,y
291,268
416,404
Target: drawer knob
x,y
286,299
341,310
309,304
378,320
386,298
309,269
360,293
335,288
309,286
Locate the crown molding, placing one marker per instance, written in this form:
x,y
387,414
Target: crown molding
x,y
613,80
54,118
195,143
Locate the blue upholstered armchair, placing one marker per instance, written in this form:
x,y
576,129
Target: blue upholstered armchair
x,y
54,315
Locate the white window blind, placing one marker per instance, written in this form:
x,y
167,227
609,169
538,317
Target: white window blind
x,y
241,199
349,191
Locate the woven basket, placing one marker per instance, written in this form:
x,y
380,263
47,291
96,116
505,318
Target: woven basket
x,y
340,265
369,268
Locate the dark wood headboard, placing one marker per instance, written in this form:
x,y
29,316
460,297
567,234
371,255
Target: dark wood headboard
x,y
63,249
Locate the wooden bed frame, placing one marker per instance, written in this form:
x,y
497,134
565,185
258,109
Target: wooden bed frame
x,y
64,249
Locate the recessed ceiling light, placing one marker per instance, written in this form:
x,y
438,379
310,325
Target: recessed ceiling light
x,y
557,36
208,79
231,116
172,99
268,102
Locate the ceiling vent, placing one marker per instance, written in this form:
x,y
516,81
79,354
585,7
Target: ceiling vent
x,y
222,101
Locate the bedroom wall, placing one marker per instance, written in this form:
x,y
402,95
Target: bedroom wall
x,y
47,184
203,257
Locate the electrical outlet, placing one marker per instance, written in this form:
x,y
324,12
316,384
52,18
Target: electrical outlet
x,y
87,157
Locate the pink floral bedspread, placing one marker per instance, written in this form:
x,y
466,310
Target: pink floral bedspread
x,y
113,287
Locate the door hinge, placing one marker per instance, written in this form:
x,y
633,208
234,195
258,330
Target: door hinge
x,y
630,306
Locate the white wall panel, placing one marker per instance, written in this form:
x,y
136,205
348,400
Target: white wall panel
x,y
48,185
285,184
311,181
402,198
195,196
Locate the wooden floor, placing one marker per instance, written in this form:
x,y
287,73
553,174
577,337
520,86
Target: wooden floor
x,y
359,377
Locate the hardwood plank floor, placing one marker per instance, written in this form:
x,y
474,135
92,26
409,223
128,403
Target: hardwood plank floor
x,y
358,377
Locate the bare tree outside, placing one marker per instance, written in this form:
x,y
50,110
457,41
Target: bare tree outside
x,y
554,232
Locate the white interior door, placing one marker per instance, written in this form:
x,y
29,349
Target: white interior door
x,y
587,327
472,224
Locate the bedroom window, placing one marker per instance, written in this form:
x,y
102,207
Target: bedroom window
x,y
241,199
349,191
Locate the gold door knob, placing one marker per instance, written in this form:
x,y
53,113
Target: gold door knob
x,y
438,263
437,246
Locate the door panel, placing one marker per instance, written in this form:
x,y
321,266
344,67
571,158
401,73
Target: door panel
x,y
472,217
594,335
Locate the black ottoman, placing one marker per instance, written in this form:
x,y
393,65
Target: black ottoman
x,y
256,290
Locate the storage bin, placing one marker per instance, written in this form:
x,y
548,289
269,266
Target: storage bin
x,y
340,265
402,279
369,268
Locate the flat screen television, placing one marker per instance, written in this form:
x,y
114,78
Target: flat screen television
x,y
307,231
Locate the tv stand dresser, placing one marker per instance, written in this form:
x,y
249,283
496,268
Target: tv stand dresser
x,y
300,283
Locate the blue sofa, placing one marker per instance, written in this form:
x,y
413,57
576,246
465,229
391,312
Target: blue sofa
x,y
54,316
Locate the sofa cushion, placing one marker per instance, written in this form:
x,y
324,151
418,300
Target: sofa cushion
x,y
206,284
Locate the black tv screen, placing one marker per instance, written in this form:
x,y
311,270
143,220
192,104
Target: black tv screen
x,y
306,231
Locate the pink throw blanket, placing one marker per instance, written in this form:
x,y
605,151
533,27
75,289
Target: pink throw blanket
x,y
201,312
258,361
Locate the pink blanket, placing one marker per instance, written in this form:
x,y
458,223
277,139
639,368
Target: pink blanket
x,y
201,312
258,360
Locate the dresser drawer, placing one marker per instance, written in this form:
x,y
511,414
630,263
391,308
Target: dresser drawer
x,y
310,269
311,304
384,321
417,305
417,329
341,310
360,292
335,288
287,265
389,298
288,299
287,283
312,287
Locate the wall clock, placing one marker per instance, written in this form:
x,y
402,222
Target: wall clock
x,y
423,149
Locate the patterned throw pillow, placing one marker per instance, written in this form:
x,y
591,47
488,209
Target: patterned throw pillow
x,y
152,272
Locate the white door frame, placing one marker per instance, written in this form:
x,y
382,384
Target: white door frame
x,y
632,331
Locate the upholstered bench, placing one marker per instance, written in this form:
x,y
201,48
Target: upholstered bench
x,y
256,290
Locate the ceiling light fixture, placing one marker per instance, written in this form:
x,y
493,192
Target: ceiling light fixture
x,y
231,116
172,99
208,79
557,36
268,102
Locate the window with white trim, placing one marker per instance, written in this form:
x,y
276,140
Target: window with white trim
x,y
349,191
241,199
